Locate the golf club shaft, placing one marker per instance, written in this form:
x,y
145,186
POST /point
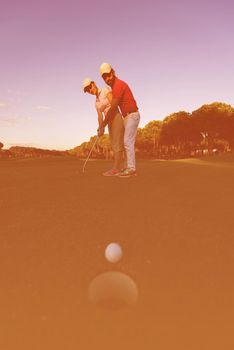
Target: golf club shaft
x,y
90,153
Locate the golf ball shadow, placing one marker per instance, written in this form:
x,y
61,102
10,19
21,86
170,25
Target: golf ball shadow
x,y
113,290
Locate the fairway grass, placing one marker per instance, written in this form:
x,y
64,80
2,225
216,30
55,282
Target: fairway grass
x,y
175,224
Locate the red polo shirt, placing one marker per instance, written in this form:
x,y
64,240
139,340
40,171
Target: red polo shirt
x,y
122,92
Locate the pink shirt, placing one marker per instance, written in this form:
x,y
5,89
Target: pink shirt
x,y
121,91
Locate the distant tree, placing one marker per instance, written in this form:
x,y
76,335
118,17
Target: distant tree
x,y
104,146
214,122
19,151
1,145
177,133
141,144
152,132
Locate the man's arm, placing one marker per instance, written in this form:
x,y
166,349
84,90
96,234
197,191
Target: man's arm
x,y
112,111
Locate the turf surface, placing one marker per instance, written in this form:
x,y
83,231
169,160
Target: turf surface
x,y
175,223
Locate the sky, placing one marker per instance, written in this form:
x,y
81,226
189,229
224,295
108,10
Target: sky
x,y
175,55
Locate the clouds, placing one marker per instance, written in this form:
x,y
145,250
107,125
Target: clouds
x,y
16,108
16,92
12,119
43,108
4,105
9,115
8,120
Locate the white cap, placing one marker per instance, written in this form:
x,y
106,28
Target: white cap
x,y
105,68
87,82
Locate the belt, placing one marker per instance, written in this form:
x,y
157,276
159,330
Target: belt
x,y
130,113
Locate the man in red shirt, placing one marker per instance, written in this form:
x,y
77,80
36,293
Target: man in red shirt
x,y
124,100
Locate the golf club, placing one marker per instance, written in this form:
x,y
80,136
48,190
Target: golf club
x,y
90,153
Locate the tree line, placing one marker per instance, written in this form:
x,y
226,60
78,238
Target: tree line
x,y
29,152
209,129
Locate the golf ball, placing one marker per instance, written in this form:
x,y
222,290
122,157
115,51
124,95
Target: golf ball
x,y
113,252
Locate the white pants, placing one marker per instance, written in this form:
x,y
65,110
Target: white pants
x,y
130,130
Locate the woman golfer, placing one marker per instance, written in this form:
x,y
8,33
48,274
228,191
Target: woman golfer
x,y
115,125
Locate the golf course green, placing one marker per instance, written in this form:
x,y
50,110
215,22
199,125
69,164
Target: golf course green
x,y
175,224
